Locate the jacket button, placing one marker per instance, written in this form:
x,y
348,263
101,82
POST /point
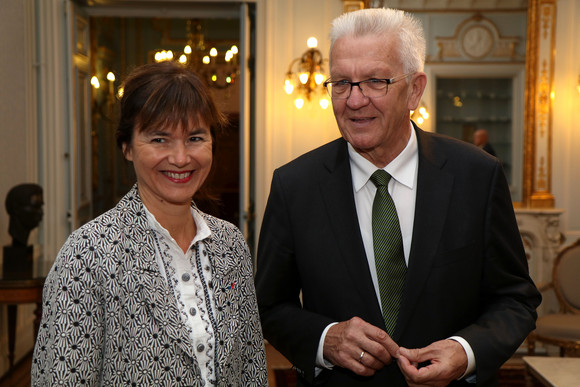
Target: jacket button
x,y
200,347
185,277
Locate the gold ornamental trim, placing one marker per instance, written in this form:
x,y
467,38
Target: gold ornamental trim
x,y
538,104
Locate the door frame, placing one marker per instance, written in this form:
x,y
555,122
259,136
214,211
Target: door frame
x,y
56,108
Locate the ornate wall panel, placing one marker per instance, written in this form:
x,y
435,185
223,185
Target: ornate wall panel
x,y
538,115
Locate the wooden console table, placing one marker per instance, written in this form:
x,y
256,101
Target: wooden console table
x,y
13,293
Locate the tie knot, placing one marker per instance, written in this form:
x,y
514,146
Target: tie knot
x,y
380,178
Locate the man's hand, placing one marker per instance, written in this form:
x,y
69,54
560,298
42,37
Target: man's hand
x,y
447,359
359,346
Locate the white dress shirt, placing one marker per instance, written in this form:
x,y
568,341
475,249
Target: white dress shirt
x,y
189,274
403,189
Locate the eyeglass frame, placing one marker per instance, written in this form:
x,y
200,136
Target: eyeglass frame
x,y
389,81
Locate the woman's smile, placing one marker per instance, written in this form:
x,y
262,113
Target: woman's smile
x,y
179,177
171,164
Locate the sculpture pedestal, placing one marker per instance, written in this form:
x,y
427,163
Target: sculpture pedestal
x,y
542,238
18,262
14,293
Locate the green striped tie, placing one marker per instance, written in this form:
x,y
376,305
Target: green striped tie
x,y
388,247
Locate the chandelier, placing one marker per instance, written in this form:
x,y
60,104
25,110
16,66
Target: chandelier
x,y
420,114
219,69
306,76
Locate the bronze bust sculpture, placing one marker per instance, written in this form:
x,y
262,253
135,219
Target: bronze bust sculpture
x,y
24,206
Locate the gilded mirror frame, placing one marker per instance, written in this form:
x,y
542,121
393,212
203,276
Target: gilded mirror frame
x,y
540,51
540,62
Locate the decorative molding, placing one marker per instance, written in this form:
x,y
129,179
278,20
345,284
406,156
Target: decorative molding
x,y
53,107
542,239
477,39
350,5
538,109
30,90
454,5
81,36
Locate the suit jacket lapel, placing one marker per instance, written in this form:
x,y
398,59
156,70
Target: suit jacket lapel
x,y
161,301
337,191
151,287
433,194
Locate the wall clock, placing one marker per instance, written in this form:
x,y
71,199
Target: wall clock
x,y
477,42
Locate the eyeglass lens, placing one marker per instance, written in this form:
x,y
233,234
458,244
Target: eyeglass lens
x,y
369,88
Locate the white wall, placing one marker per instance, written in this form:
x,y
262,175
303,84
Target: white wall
x,y
18,144
17,162
284,132
565,116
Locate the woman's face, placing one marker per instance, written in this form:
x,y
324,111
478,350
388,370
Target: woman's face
x,y
171,163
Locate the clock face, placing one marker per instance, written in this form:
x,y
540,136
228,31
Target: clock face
x,y
477,42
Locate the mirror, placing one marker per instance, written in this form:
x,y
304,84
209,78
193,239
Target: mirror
x,y
472,44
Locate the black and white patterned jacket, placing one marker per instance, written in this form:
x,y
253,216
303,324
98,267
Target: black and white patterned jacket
x,y
110,319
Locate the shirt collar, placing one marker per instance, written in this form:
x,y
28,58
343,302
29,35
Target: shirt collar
x,y
402,168
203,230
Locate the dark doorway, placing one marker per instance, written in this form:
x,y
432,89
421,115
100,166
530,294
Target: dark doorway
x,y
118,44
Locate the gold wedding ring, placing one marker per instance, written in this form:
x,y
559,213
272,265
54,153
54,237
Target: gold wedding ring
x,y
361,356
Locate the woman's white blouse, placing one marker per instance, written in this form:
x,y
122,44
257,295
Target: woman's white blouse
x,y
189,275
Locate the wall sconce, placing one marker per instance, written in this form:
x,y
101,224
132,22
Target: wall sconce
x,y
421,114
305,76
103,94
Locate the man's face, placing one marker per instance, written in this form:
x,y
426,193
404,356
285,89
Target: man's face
x,y
479,138
376,125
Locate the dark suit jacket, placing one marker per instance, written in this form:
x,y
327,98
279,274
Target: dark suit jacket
x,y
467,273
489,149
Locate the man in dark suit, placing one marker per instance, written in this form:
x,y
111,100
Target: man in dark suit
x,y
466,302
481,139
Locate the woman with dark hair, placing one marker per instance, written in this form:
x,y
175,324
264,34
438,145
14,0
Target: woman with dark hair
x,y
154,291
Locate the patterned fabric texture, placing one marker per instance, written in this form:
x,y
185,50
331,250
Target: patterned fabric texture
x,y
110,319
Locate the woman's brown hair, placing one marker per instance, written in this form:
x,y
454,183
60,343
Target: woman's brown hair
x,y
165,94
168,94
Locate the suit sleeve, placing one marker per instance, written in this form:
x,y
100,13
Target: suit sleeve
x,y
294,331
509,296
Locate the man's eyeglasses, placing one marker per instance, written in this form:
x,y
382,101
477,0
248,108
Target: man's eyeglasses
x,y
370,88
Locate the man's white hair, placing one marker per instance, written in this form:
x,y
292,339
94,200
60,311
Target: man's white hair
x,y
385,22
